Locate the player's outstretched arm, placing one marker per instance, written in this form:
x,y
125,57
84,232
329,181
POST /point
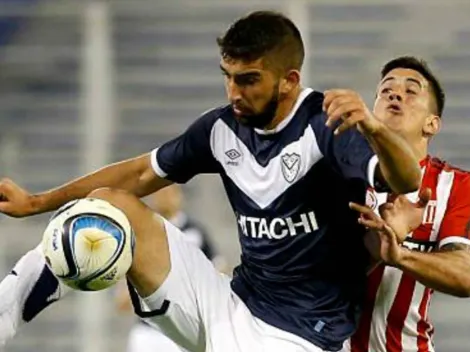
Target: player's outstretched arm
x,y
398,166
134,175
447,268
389,229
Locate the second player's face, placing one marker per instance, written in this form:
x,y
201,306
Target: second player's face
x,y
252,91
404,102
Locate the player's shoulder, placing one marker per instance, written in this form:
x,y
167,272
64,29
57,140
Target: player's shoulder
x,y
460,178
459,174
313,102
213,114
312,109
206,121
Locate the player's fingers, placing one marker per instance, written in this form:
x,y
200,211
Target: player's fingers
x,y
338,101
328,97
7,187
364,211
360,208
385,209
343,111
424,197
388,234
5,207
348,123
333,94
339,91
371,224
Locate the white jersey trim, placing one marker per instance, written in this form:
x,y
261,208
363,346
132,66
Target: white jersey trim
x,y
373,162
264,184
303,94
454,239
153,160
443,190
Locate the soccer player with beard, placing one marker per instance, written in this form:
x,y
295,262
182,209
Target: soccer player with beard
x,y
291,159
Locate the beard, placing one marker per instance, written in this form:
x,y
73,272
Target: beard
x,y
264,118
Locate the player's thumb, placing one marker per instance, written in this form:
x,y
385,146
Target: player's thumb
x,y
7,191
424,197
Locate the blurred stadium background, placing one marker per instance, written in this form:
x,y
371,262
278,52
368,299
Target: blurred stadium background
x,y
83,83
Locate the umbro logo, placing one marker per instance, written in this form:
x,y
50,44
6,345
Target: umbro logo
x,y
233,155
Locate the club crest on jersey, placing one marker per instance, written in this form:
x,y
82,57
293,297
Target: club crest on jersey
x,y
371,199
290,166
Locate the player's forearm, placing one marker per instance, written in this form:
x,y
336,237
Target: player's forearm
x,y
447,272
134,175
398,165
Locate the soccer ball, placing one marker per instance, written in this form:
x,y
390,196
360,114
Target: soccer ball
x,y
88,244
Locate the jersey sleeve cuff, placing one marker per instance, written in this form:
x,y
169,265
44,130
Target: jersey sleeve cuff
x,y
373,162
454,239
153,159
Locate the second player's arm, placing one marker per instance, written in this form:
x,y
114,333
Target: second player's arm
x,y
397,166
135,175
447,270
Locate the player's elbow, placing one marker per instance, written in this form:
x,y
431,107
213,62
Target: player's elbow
x,y
463,290
461,286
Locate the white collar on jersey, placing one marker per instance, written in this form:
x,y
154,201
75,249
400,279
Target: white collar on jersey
x,y
303,94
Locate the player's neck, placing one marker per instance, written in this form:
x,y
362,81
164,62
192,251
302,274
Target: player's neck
x,y
284,108
420,149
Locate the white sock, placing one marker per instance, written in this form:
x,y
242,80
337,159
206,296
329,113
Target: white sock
x,y
25,292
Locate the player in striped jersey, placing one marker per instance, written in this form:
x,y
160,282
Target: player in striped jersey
x,y
435,256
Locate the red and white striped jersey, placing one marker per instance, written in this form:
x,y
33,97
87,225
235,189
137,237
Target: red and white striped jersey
x,y
395,318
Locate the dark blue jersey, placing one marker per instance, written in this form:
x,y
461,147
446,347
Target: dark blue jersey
x,y
303,263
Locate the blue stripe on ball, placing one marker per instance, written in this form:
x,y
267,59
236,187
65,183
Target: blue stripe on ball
x,y
97,222
86,221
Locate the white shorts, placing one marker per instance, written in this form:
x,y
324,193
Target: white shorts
x,y
196,308
144,338
346,346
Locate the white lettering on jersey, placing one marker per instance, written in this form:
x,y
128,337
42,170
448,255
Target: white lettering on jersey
x,y
278,228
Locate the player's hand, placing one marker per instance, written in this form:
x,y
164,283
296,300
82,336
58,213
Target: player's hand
x,y
14,200
404,216
397,219
382,242
348,106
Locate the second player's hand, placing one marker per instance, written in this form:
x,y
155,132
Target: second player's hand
x,y
348,106
404,216
396,220
14,200
381,240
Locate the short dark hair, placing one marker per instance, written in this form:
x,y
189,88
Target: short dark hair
x,y
264,33
421,66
